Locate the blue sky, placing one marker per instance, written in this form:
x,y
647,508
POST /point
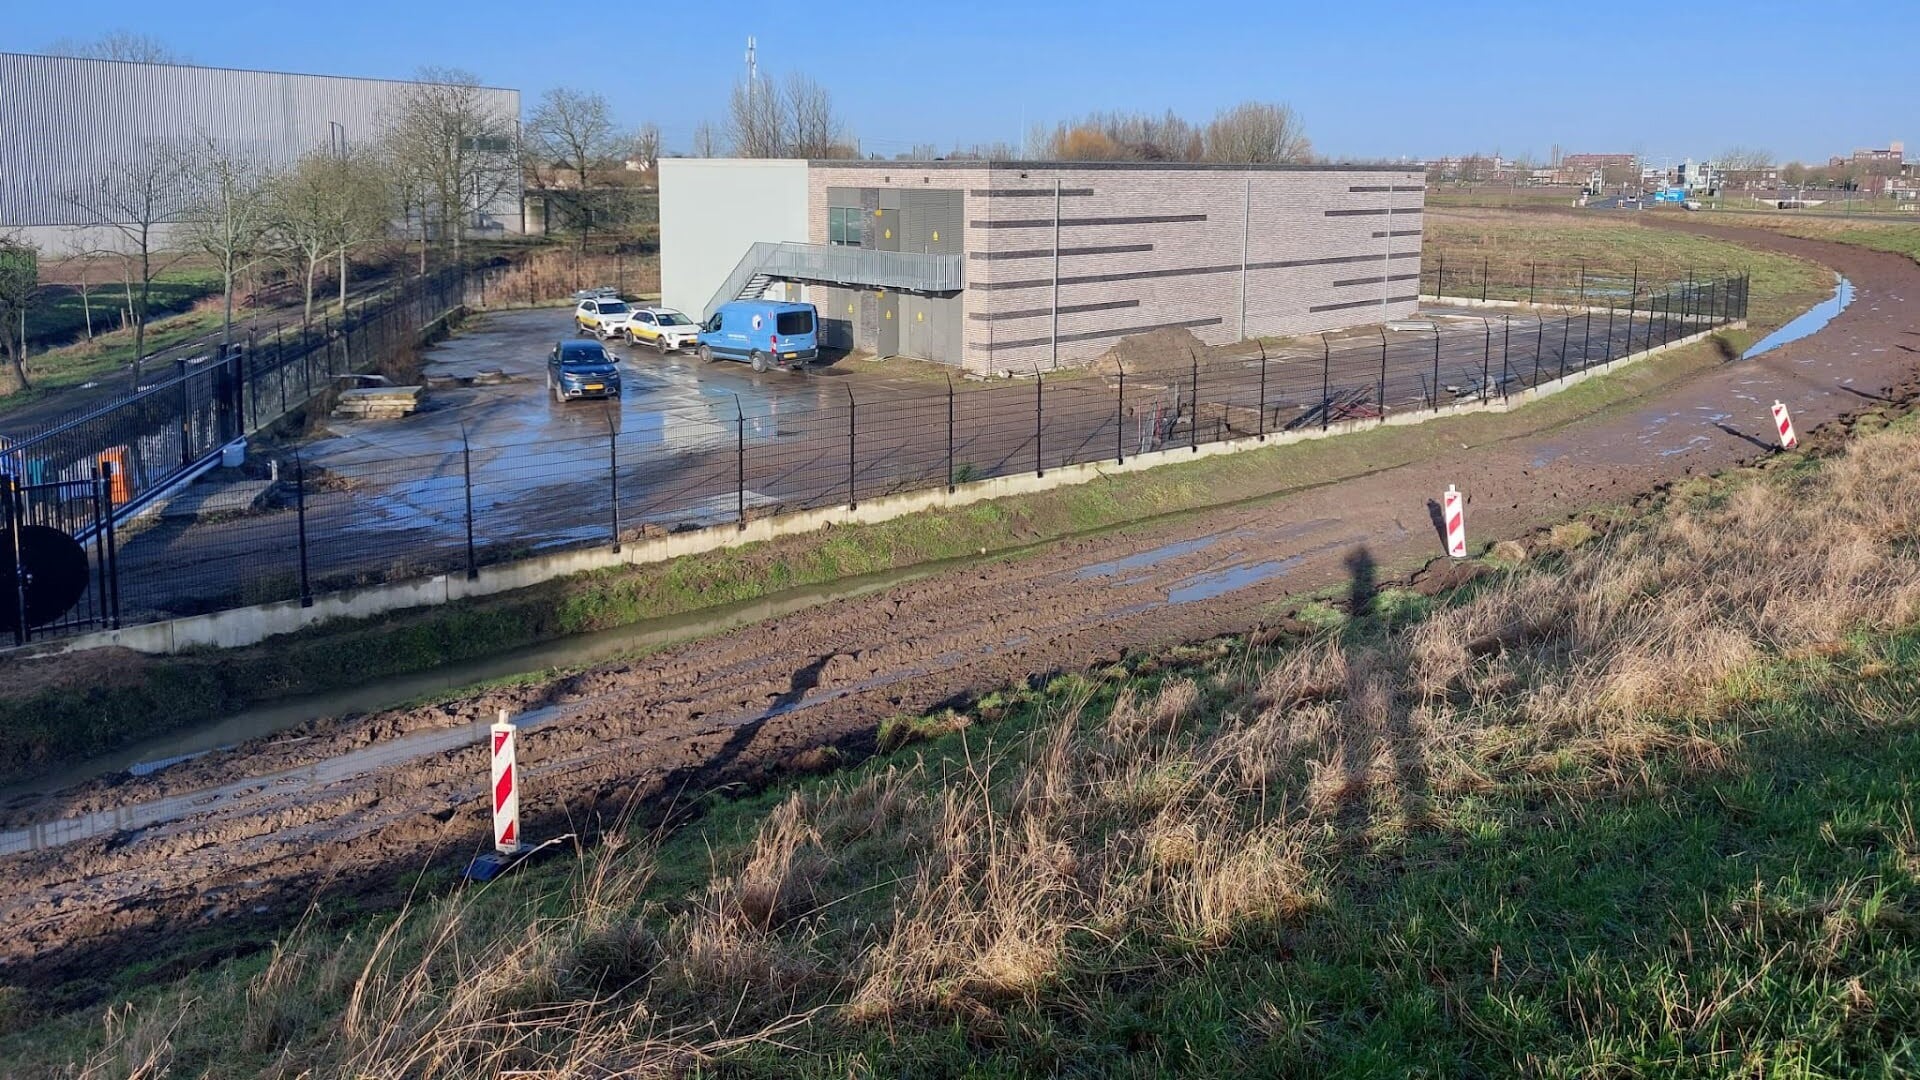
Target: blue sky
x,y
1372,79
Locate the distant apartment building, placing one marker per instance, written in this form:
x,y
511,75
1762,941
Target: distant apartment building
x,y
1895,154
1011,267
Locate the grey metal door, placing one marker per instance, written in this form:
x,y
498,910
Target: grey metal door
x,y
889,343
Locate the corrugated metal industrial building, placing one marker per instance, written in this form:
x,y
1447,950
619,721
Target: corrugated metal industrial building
x,y
65,121
1010,267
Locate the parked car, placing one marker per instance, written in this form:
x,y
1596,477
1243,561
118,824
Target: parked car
x,y
764,333
663,328
577,369
602,316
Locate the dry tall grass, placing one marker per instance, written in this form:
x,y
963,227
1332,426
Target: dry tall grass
x,y
1137,821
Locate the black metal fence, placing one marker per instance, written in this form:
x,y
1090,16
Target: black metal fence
x,y
346,517
164,431
1466,276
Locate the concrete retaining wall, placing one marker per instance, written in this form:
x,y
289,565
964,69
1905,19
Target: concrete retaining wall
x,y
247,626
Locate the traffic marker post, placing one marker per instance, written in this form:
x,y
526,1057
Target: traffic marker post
x,y
504,789
1784,424
1453,511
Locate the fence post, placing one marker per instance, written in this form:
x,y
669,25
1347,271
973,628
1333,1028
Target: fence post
x,y
1688,307
1506,354
1433,393
1611,308
1193,432
853,408
10,489
1440,286
1326,383
951,485
1633,306
1583,282
1586,343
101,508
1566,329
1486,358
1039,421
1531,268
1120,415
740,459
1383,373
613,476
300,512
186,417
1260,421
1485,266
1539,344
466,476
113,545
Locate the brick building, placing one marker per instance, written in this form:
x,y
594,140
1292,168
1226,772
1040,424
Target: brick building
x,y
1008,266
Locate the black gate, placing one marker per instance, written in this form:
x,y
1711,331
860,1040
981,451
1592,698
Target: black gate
x,y
80,509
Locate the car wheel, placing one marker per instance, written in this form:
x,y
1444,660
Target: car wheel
x,y
758,361
660,344
706,355
559,395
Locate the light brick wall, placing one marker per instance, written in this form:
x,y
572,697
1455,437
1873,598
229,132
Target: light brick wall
x,y
1174,256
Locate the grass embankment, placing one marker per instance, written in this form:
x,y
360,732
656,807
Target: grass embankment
x,y
1640,801
1897,237
1505,242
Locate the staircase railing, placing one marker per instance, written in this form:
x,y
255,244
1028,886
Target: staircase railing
x,y
911,271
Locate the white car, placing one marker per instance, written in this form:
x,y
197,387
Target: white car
x,y
663,328
602,316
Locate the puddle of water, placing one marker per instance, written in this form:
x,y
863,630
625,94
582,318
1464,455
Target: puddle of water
x,y
1143,559
1220,582
583,649
1807,323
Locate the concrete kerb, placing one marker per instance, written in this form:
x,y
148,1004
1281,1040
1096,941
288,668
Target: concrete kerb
x,y
247,626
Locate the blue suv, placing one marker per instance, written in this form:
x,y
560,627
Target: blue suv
x,y
577,369
764,333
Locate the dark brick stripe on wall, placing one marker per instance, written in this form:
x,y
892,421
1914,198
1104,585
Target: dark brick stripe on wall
x,y
1028,193
1065,309
1397,232
1360,213
1189,271
1344,283
1040,253
1331,260
1363,303
1409,188
1066,223
1090,335
1371,187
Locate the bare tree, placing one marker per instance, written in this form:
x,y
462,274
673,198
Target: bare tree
x,y
446,132
77,252
815,130
1793,173
644,147
132,198
572,133
1122,136
706,141
1257,133
321,206
19,285
758,123
119,45
226,216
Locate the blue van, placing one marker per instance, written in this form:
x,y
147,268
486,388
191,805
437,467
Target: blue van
x,y
764,333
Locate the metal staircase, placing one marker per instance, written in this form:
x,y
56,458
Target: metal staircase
x,y
823,264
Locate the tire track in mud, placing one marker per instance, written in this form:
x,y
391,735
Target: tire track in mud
x,y
258,832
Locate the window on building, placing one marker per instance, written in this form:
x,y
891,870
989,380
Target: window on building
x,y
845,225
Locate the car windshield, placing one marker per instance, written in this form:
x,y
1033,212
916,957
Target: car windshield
x,y
594,357
612,307
794,322
674,318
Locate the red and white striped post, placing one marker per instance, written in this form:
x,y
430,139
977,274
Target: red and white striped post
x,y
1453,509
1784,423
506,788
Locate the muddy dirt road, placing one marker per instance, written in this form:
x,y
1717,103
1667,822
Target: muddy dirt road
x,y
352,805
